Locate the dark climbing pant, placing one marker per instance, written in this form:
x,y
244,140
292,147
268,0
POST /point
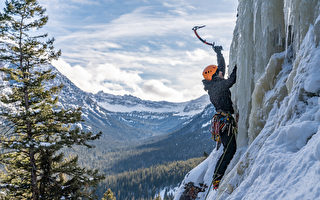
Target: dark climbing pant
x,y
229,149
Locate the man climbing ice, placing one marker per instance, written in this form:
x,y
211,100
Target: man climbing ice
x,y
223,126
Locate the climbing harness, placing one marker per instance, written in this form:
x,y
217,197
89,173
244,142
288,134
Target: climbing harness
x,y
219,123
202,40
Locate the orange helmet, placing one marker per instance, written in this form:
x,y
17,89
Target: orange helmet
x,y
209,71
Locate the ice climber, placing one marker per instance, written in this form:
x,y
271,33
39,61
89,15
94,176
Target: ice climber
x,y
223,126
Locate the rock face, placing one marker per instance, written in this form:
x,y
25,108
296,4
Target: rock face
x,y
277,94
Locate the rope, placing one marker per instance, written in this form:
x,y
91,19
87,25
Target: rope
x,y
224,153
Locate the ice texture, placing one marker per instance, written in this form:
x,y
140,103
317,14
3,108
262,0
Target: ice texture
x,y
265,28
276,48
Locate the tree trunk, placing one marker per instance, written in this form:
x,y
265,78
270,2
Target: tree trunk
x,y
34,187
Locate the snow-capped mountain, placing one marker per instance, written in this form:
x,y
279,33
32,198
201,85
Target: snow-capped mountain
x,y
152,129
276,45
127,118
130,125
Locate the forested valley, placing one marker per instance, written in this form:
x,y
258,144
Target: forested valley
x,y
146,183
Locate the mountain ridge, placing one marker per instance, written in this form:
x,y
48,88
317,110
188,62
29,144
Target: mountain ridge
x,y
139,118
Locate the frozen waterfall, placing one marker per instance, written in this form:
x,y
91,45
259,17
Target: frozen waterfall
x,y
265,28
276,45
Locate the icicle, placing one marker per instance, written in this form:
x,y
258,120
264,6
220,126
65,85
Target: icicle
x,y
288,26
280,41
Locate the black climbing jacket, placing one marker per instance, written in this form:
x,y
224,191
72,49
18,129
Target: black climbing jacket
x,y
221,62
219,91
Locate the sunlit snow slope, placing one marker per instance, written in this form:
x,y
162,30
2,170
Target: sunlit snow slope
x,y
276,45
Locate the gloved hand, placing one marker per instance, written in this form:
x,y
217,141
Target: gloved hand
x,y
217,49
234,68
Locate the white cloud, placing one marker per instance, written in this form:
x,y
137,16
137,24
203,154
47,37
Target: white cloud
x,y
166,74
85,2
137,25
149,51
152,55
157,88
174,78
93,79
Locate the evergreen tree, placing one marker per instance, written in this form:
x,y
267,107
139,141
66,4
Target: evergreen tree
x,y
108,195
34,166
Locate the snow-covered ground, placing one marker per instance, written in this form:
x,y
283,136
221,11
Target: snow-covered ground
x,y
278,98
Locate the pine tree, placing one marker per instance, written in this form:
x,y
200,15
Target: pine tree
x,y
108,195
34,166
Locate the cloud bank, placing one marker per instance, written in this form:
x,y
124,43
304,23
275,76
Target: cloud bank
x,y
146,49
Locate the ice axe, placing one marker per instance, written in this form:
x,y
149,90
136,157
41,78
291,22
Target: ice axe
x,y
202,40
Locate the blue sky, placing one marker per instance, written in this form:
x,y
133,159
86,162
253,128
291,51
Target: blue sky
x,y
145,48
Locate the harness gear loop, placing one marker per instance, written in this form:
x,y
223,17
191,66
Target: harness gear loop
x,y
219,123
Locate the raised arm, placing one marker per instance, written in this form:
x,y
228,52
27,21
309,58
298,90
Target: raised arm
x,y
220,59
